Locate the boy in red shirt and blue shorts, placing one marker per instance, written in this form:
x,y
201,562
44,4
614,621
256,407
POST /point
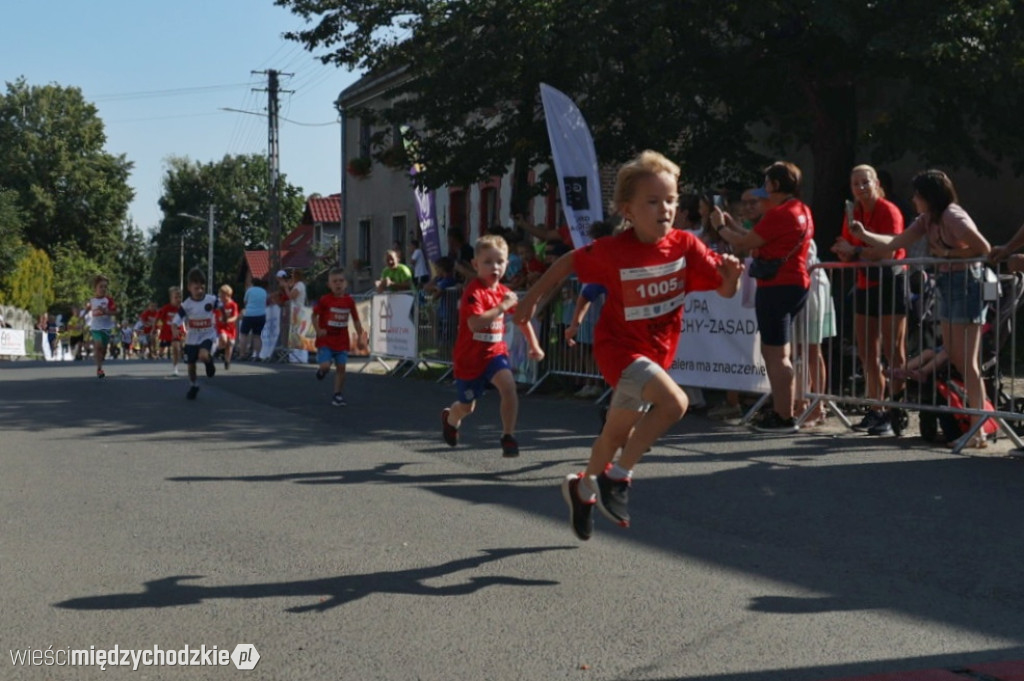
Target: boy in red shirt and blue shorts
x,y
332,315
647,270
481,356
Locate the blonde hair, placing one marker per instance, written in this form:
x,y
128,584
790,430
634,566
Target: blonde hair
x,y
490,241
226,289
872,174
172,290
645,164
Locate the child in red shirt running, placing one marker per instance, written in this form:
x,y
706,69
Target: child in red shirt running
x,y
147,337
331,317
227,324
481,355
170,334
647,270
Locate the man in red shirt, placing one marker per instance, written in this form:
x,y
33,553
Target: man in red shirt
x,y
481,356
332,315
647,270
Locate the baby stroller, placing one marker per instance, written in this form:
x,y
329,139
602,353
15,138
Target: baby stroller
x,y
944,386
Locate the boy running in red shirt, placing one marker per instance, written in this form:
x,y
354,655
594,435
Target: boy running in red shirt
x,y
332,315
481,355
647,270
147,336
170,333
227,324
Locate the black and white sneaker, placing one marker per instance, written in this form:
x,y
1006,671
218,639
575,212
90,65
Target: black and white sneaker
x,y
773,423
339,400
869,420
613,499
581,513
882,425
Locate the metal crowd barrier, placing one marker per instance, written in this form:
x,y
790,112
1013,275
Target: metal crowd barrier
x,y
908,295
437,322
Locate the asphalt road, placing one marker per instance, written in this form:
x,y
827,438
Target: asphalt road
x,y
351,543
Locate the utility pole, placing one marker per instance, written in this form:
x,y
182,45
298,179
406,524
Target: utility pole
x,y
209,254
274,161
181,263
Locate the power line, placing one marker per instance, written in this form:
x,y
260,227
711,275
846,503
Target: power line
x,y
123,96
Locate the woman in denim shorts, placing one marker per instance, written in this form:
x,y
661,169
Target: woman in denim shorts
x,y
953,237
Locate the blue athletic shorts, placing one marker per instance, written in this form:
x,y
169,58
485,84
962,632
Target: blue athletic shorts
x,y
471,390
325,355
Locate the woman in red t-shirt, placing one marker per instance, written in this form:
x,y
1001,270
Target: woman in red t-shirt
x,y
880,311
784,233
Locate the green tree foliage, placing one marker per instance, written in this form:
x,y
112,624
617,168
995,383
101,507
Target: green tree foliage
x,y
11,246
134,264
722,86
238,189
51,154
73,272
32,282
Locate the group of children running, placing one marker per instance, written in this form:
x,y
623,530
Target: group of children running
x,y
191,328
645,271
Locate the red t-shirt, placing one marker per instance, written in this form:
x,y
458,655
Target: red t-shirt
x,y
227,311
646,283
333,313
782,228
474,350
148,318
885,218
166,315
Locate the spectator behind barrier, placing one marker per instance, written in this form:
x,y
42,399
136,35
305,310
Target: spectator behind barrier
x,y
952,235
880,312
785,233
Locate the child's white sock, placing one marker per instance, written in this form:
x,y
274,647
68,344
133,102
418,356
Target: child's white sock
x,y
617,472
587,489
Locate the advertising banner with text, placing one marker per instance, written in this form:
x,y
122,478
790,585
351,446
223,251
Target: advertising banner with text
x,y
719,346
393,326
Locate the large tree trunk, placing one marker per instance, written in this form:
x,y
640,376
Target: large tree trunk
x,y
833,148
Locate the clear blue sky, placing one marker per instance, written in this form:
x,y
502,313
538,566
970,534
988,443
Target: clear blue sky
x,y
160,72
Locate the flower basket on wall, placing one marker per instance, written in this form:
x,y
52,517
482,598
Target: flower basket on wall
x,y
359,166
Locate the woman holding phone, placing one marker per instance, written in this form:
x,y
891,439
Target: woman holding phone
x,y
879,308
953,236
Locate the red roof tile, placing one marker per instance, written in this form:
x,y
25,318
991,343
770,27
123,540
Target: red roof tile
x,y
323,209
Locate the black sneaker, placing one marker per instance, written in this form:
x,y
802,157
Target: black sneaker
x,y
581,513
882,426
869,420
449,432
773,423
100,374
210,369
613,499
509,446
192,392
320,373
338,400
